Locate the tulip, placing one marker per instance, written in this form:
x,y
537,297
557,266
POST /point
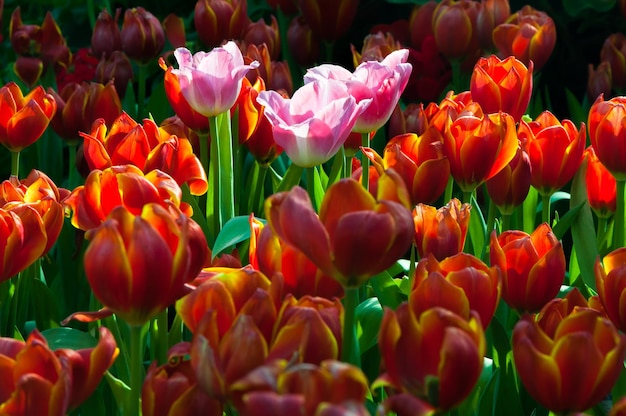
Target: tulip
x,y
508,189
383,82
490,14
289,7
432,73
211,81
261,143
404,404
554,312
303,45
376,46
610,283
142,35
307,330
460,283
120,260
528,34
106,36
249,112
599,81
281,77
124,185
220,20
116,68
436,356
28,69
502,85
421,23
146,146
584,344
261,54
174,27
259,33
533,266
353,238
461,42
614,53
441,232
79,105
23,119
478,147
313,125
601,186
172,390
301,277
606,134
555,150
329,19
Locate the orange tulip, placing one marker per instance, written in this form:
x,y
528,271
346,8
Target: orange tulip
x,y
576,368
508,189
121,266
461,15
420,162
611,283
354,237
555,150
122,185
172,390
79,105
528,34
607,135
533,266
300,275
261,143
441,232
478,146
502,85
249,112
436,356
460,283
601,186
38,381
553,313
307,330
146,146
23,119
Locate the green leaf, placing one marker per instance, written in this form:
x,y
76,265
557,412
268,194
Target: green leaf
x,y
66,337
386,289
46,311
369,315
583,229
158,106
530,210
577,113
565,222
576,7
477,229
234,232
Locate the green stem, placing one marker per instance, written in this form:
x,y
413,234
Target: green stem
x,y
73,178
212,198
350,347
258,202
158,330
620,211
291,178
365,162
347,165
506,222
310,186
225,170
136,369
601,232
143,73
467,196
91,13
545,209
491,218
15,164
447,195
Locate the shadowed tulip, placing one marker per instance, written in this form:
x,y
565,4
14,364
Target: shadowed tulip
x,y
555,150
533,266
574,369
120,261
220,20
437,282
611,284
315,122
490,14
613,52
436,356
23,119
599,81
607,134
441,232
106,35
329,19
502,85
508,188
258,33
601,186
211,81
142,35
461,42
354,237
116,68
303,45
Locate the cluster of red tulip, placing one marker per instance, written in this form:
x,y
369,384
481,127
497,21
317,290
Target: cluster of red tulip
x,y
238,257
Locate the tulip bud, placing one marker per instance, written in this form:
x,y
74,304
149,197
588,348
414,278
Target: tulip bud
x,y
220,20
509,188
329,19
607,134
303,45
461,15
441,232
601,186
258,33
106,36
420,23
599,81
116,68
142,35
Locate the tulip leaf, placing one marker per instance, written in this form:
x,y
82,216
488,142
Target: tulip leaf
x,y
576,7
369,315
235,231
565,222
157,105
386,289
583,229
477,229
619,388
44,304
66,337
577,114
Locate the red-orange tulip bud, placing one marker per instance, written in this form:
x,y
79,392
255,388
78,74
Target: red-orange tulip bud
x,y
574,369
441,232
601,186
461,15
608,135
533,266
220,20
611,285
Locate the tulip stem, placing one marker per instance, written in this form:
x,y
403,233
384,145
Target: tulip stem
x,y
365,162
158,331
350,347
136,368
15,164
545,209
601,233
506,222
71,162
310,187
620,212
447,195
221,134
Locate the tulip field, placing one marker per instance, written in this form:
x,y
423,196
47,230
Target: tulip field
x,y
313,207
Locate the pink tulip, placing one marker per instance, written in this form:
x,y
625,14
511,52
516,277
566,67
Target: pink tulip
x,y
211,81
383,81
313,125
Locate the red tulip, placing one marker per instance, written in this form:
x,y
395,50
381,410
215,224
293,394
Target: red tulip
x,y
106,35
508,189
220,20
329,19
461,42
607,135
601,186
142,35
